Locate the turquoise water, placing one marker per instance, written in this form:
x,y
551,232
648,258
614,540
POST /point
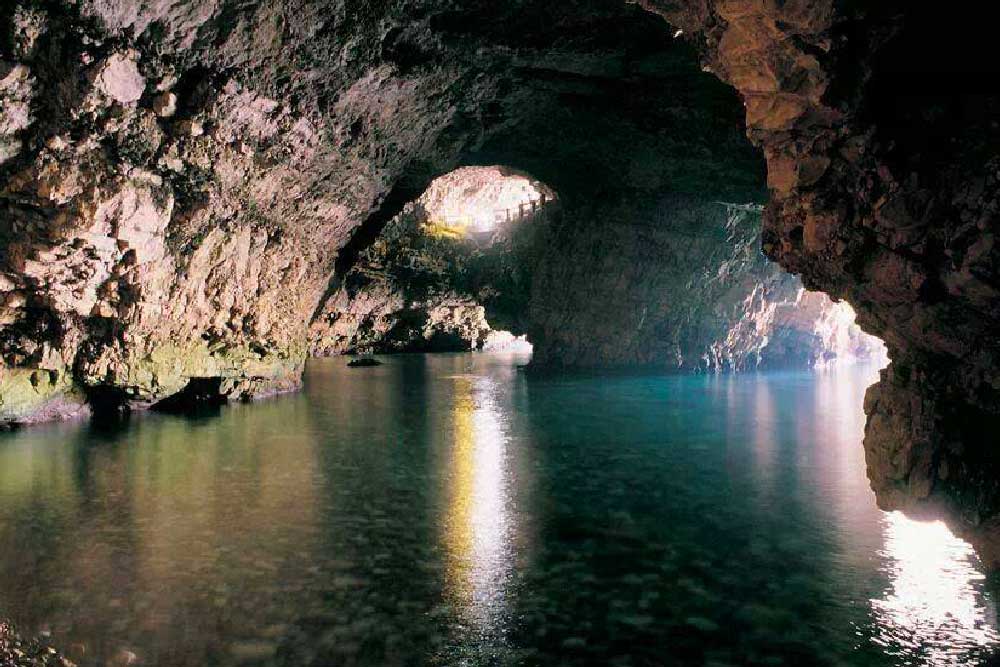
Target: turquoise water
x,y
450,510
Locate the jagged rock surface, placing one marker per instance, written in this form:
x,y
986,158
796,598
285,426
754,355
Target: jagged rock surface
x,y
180,182
719,305
673,284
16,651
405,293
680,284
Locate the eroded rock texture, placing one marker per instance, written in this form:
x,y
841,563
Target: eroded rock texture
x,y
676,284
421,287
682,288
183,184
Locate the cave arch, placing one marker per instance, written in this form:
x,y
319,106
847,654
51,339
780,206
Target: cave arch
x,y
643,146
452,271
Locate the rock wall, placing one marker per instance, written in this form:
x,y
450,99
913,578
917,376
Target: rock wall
x,y
16,651
417,288
685,289
459,257
660,284
680,285
813,331
182,184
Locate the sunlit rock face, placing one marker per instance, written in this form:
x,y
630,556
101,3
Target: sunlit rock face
x,y
476,200
458,258
813,331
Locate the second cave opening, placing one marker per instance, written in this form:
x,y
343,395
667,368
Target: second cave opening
x,y
451,272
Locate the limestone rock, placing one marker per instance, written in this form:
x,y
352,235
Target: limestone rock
x,y
165,104
118,78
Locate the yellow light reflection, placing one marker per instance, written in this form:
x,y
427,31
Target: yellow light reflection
x,y
479,554
934,611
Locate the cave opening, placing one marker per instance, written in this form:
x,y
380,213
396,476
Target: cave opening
x,y
483,258
451,272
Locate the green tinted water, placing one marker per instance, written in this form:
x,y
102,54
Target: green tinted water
x,y
449,510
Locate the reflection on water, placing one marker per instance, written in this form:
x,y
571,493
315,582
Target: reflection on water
x,y
934,599
449,510
477,531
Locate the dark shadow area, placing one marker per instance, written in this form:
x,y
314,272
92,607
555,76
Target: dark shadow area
x,y
201,396
934,94
109,407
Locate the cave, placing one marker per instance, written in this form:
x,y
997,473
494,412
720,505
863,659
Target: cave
x,y
451,272
679,324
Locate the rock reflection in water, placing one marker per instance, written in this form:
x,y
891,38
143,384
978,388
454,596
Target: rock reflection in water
x,y
122,541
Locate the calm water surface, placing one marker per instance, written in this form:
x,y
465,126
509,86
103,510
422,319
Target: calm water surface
x,y
449,510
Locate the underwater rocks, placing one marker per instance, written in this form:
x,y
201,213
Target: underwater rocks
x,y
16,651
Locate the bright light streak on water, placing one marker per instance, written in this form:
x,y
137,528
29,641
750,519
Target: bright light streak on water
x,y
477,523
933,607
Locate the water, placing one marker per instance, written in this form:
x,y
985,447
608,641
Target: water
x,y
448,510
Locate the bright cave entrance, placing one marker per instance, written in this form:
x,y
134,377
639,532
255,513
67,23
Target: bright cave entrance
x,y
451,272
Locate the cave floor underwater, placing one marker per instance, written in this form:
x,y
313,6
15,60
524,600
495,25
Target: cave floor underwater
x,y
451,509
